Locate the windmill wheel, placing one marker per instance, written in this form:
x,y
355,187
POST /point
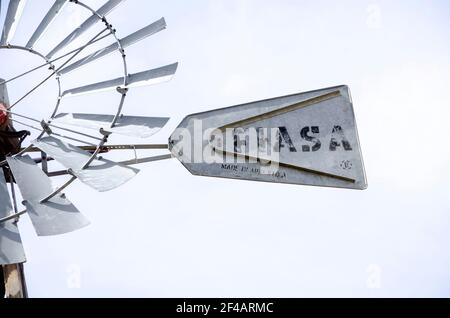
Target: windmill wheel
x,y
50,210
308,138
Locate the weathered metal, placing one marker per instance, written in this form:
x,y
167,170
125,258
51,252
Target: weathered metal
x,y
52,13
11,249
86,25
101,174
149,77
15,10
125,42
54,217
135,126
315,141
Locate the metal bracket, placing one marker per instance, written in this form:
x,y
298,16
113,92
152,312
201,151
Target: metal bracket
x,y
122,90
45,126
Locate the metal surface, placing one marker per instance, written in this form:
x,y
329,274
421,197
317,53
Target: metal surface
x,y
86,25
57,70
150,77
13,216
142,127
316,141
15,9
49,210
125,42
11,249
132,162
55,217
102,175
4,98
136,79
49,17
115,147
138,161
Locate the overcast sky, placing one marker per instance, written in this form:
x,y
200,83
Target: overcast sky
x,y
169,234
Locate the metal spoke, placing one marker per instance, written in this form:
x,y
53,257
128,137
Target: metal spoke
x,y
116,147
13,216
97,16
53,133
54,60
26,125
125,163
56,71
131,39
55,126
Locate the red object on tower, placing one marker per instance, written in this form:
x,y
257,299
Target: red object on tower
x,y
3,115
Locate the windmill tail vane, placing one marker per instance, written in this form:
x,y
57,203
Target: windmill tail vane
x,y
308,138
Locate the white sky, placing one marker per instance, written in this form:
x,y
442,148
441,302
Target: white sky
x,y
169,234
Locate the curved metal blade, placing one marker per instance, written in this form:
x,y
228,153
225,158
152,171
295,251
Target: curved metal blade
x,y
56,216
15,10
102,175
86,25
149,77
142,127
49,17
125,42
11,249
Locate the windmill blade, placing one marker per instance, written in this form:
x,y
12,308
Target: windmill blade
x,y
149,77
86,25
15,10
54,217
11,249
125,42
49,17
102,175
142,127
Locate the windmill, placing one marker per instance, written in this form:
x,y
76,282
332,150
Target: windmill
x,y
308,138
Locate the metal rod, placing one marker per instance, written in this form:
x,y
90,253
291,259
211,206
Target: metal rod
x,y
12,216
13,193
75,132
145,160
280,111
125,163
53,133
110,4
44,162
56,71
95,153
287,165
26,125
115,147
53,61
74,139
59,190
58,101
53,125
